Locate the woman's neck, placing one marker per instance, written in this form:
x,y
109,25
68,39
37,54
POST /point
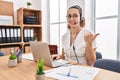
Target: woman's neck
x,y
75,30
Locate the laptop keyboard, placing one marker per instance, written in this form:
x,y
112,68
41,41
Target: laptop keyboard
x,y
59,62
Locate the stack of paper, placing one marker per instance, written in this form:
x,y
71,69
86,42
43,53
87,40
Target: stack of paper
x,y
28,56
72,72
6,20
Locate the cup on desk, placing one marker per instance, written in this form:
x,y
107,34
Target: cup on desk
x,y
19,59
19,55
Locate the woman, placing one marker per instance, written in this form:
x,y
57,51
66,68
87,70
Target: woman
x,y
78,43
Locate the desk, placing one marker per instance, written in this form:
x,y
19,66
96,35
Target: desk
x,y
26,71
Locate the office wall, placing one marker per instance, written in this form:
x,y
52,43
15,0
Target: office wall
x,y
118,40
45,20
89,14
76,2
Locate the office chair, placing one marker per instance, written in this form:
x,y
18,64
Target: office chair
x,y
53,49
109,64
98,55
2,54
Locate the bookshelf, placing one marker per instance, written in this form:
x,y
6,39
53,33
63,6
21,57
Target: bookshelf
x,y
36,30
31,25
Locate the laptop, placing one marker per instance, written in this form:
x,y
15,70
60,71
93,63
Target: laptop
x,y
41,50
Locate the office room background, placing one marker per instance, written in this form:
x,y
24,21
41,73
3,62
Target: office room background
x,y
102,16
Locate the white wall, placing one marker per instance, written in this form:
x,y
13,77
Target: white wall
x,y
89,14
45,20
118,40
76,2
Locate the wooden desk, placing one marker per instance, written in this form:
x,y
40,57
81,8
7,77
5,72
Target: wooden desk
x,y
26,71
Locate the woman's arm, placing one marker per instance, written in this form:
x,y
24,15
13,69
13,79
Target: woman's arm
x,y
90,55
62,55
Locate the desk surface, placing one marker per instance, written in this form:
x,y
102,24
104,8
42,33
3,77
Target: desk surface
x,y
26,71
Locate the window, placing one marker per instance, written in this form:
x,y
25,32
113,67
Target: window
x,y
106,23
58,26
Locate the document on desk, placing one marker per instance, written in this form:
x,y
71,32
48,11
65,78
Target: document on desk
x,y
28,56
72,72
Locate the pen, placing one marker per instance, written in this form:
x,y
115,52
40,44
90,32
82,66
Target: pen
x,y
68,74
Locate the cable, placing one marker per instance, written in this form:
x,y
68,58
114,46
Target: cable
x,y
75,54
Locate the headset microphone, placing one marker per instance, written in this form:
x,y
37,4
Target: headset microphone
x,y
76,23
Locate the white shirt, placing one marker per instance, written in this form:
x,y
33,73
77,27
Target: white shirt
x,y
79,44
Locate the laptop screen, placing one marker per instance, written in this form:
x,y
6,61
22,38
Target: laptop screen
x,y
41,50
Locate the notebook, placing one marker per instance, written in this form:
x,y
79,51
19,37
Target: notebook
x,y
41,50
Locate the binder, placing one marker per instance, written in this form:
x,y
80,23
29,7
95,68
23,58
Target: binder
x,y
15,35
8,35
12,35
31,35
30,20
1,35
25,35
28,37
18,35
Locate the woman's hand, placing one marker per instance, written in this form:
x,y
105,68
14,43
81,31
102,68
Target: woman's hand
x,y
55,56
89,37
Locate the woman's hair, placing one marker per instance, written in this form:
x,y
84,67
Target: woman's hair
x,y
82,19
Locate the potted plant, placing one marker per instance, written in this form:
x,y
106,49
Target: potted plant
x,y
40,75
29,4
12,60
35,38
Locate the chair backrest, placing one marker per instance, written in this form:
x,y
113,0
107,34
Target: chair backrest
x,y
113,65
2,54
53,49
98,55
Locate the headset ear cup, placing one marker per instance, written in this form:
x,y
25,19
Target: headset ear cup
x,y
80,17
80,14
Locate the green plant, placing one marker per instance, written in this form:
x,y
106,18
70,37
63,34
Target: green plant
x,y
40,64
35,38
29,3
12,56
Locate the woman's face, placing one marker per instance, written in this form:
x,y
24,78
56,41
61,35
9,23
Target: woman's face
x,y
73,17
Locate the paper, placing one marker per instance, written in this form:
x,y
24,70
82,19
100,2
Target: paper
x,y
6,20
72,72
28,56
